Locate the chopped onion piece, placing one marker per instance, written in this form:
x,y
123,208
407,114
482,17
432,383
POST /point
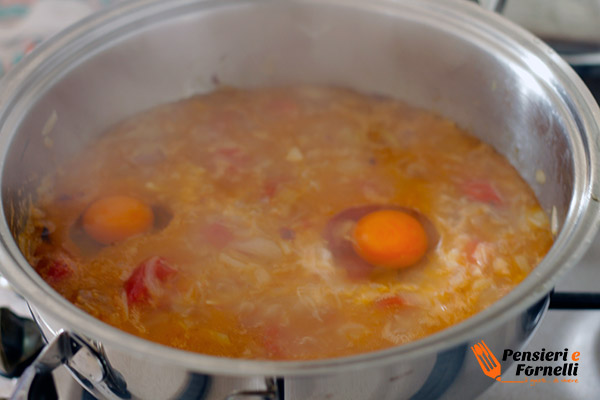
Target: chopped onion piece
x,y
259,247
522,263
537,218
501,266
294,155
230,261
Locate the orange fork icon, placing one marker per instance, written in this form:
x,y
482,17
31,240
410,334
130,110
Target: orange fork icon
x,y
488,362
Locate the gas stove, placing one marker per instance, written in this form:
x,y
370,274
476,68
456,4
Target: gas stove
x,y
575,329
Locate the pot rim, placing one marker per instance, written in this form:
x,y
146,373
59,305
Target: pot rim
x,y
575,236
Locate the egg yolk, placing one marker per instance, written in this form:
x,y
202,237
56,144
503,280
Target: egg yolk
x,y
390,238
114,218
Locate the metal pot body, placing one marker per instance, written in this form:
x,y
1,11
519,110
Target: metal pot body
x,y
491,77
449,373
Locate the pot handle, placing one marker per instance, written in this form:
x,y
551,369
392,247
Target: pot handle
x,y
54,355
492,5
272,392
69,349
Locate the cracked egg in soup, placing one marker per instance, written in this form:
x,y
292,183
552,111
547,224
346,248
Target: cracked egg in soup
x,y
285,224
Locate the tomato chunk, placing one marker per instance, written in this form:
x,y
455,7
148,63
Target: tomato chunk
x,y
279,106
269,189
55,267
390,302
470,248
482,191
149,274
233,156
230,152
272,341
225,121
272,185
217,235
58,270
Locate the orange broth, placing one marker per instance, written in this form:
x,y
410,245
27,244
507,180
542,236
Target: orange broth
x,y
242,186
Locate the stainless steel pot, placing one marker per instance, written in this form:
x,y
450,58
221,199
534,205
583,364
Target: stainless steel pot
x,y
490,76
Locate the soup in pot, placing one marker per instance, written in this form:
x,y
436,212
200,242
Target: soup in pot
x,y
285,223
